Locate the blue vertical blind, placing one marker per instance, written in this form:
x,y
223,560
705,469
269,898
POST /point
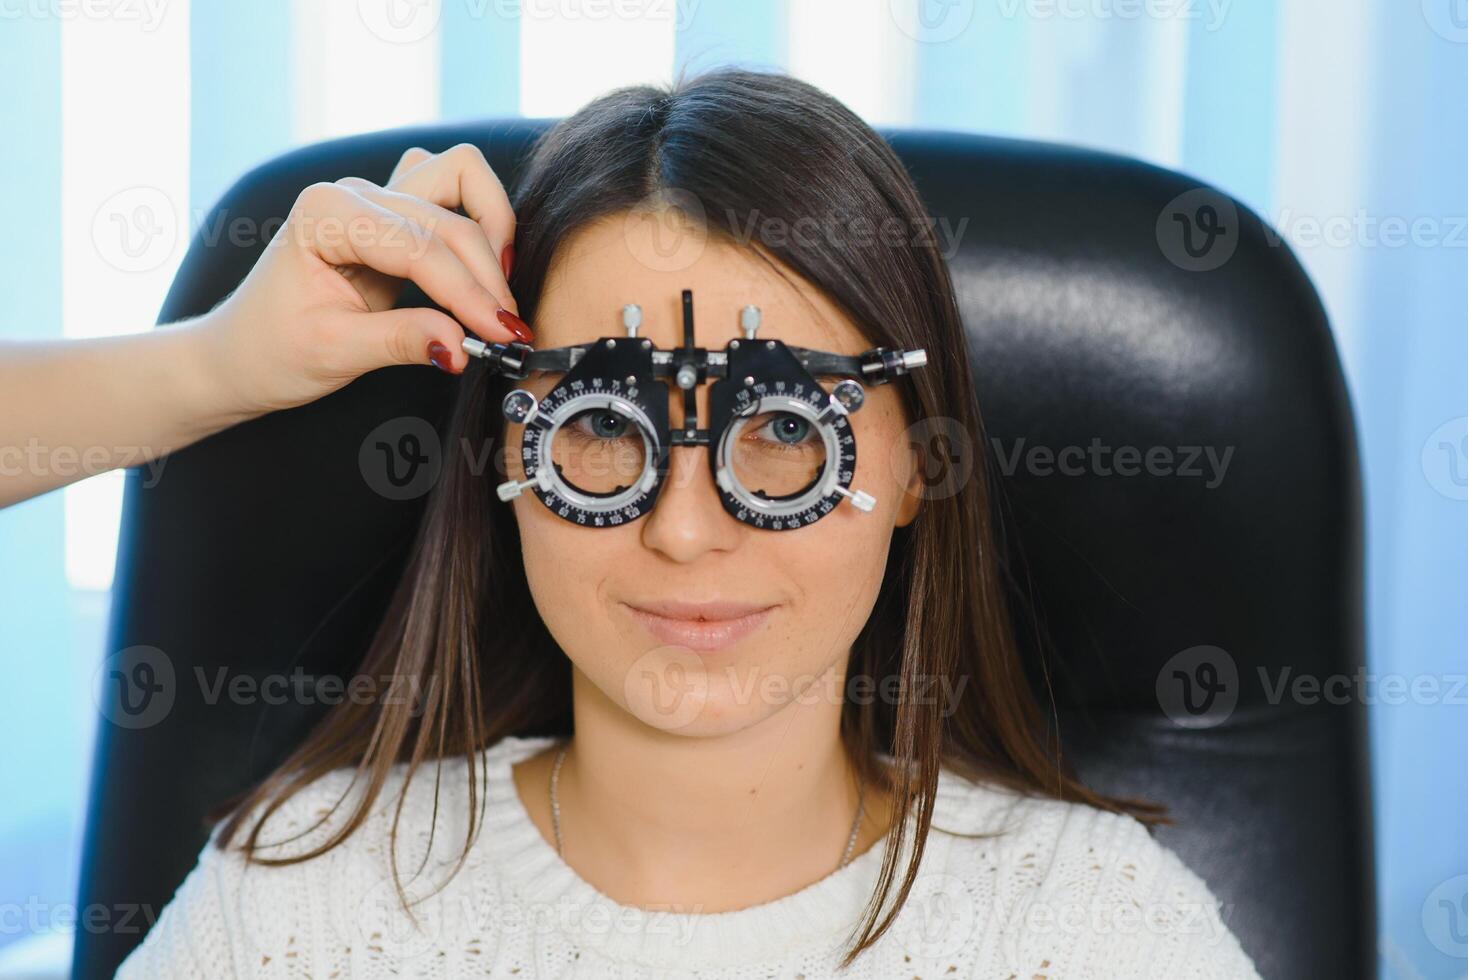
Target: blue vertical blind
x,y
1338,125
38,808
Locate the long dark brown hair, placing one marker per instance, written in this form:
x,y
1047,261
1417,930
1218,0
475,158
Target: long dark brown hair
x,y
755,151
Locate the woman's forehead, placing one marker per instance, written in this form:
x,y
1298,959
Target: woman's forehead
x,y
613,262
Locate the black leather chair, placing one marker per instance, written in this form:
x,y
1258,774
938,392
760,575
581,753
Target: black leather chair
x,y
1104,299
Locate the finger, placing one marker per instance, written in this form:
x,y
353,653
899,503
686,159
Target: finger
x,y
411,157
460,177
378,291
368,341
340,227
463,235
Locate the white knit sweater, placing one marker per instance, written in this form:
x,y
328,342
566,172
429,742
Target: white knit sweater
x,y
1059,891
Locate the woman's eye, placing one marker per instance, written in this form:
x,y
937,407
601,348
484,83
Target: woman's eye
x,y
782,430
601,424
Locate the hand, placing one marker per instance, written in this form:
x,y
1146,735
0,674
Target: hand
x,y
316,310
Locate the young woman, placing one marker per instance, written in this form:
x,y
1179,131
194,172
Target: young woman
x,y
679,738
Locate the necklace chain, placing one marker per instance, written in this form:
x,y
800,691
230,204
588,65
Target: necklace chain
x,y
556,809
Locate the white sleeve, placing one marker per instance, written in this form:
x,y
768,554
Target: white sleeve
x,y
1086,894
191,937
1179,930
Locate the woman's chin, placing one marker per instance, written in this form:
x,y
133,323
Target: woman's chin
x,y
675,689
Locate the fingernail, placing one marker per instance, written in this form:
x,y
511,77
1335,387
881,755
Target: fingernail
x,y
441,357
507,258
515,325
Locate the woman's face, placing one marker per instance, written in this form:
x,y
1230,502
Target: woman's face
x,y
809,590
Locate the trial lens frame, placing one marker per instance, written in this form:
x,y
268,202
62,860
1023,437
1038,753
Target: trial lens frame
x,y
752,377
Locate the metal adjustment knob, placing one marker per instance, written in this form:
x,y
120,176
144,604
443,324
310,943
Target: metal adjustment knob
x,y
881,364
860,499
511,489
687,376
749,320
631,318
507,359
914,359
518,406
849,395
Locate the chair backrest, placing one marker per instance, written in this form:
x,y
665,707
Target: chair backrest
x,y
1181,492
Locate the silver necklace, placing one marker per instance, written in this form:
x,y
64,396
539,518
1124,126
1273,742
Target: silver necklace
x,y
556,809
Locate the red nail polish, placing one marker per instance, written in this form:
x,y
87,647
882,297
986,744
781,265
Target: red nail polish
x,y
515,325
507,258
441,357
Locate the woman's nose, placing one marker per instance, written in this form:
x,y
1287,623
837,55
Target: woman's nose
x,y
688,519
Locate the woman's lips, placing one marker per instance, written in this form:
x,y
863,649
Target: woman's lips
x,y
705,634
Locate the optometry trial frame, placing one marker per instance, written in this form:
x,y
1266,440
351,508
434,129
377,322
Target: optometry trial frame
x,y
595,448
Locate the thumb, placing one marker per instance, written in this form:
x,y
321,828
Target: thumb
x,y
403,336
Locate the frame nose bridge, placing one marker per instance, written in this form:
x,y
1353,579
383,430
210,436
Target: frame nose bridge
x,y
690,369
689,471
687,428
